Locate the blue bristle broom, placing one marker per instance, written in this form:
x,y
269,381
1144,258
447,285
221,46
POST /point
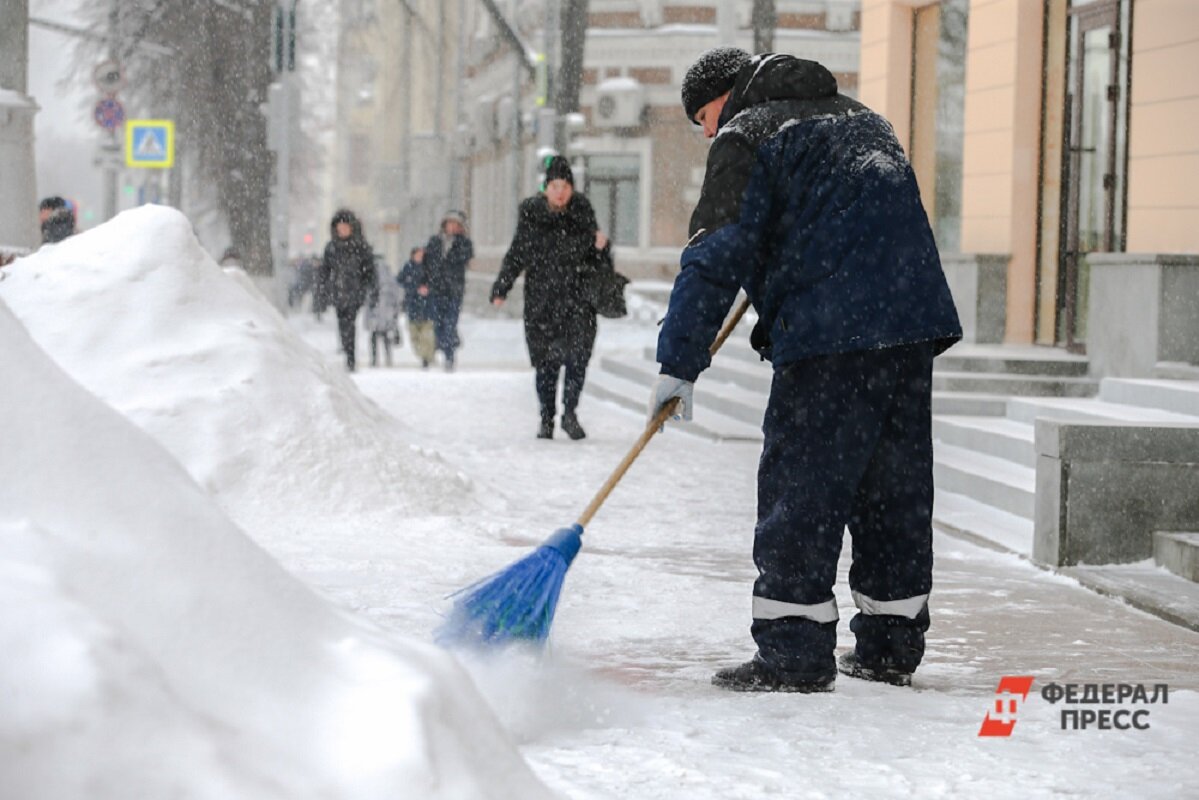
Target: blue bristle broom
x,y
518,602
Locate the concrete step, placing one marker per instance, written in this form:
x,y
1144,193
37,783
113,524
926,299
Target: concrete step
x,y
1177,552
996,482
753,377
993,436
969,404
1012,360
982,524
725,398
1144,586
1179,397
1020,385
1028,409
1176,371
633,396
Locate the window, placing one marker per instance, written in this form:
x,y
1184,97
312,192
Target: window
x,y
938,114
614,189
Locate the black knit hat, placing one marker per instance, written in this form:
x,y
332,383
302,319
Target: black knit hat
x,y
712,74
558,168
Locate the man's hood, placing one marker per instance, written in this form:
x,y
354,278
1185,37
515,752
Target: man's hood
x,y
776,76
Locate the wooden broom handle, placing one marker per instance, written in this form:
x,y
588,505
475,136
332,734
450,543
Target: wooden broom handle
x,y
664,413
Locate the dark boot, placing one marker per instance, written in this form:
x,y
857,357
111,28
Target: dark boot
x,y
755,676
546,431
570,424
848,664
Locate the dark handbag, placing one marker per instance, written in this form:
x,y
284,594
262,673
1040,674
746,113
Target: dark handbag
x,y
604,287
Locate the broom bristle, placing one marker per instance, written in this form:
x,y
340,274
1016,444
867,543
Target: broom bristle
x,y
516,603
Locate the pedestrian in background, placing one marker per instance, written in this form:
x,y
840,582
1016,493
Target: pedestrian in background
x,y
810,206
416,307
56,216
557,242
382,315
347,277
447,256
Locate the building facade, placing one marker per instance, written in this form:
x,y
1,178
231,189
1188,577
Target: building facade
x,y
1054,143
639,160
392,153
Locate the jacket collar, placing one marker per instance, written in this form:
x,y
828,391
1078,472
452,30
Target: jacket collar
x,y
777,76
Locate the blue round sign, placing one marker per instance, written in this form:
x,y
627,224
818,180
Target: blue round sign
x,y
109,113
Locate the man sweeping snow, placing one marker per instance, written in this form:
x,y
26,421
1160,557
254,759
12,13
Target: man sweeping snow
x,y
811,207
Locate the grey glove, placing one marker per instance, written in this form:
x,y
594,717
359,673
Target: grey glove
x,y
666,387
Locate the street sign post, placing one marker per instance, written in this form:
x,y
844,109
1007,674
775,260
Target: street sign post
x,y
109,113
108,77
150,143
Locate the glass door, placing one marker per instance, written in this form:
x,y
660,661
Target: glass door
x,y
1094,134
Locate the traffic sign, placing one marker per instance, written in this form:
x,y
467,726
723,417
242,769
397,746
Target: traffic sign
x,y
149,143
108,77
109,113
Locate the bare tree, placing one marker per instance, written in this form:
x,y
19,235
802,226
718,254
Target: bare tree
x,y
570,71
764,19
213,85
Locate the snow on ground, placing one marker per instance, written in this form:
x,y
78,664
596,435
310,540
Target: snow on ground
x,y
620,705
152,650
138,313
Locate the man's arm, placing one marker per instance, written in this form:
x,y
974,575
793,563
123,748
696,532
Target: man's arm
x,y
712,263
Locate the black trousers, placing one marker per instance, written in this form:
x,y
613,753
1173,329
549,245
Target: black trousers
x,y
547,384
385,338
848,443
346,317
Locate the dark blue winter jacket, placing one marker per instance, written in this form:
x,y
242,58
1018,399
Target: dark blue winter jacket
x,y
810,205
411,278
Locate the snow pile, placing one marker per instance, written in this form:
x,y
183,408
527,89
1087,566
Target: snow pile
x,y
151,650
137,312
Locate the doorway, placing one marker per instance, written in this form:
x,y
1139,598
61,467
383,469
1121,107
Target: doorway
x,y
1095,133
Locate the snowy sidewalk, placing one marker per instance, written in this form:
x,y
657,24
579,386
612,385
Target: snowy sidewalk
x,y
659,598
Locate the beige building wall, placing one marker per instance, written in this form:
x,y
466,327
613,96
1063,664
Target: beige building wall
x,y
1002,127
1002,148
884,76
1163,157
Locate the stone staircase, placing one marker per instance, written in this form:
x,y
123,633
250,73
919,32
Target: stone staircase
x,y
986,400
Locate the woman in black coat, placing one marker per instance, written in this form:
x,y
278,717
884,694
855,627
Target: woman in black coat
x,y
347,276
557,243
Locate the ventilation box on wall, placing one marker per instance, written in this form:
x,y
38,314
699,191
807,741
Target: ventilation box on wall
x,y
619,103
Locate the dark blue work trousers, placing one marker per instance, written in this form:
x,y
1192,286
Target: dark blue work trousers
x,y
848,443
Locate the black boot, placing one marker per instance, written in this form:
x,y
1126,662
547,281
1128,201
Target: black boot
x,y
546,431
848,664
570,424
755,676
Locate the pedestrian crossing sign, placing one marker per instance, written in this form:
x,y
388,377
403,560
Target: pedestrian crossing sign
x,y
149,143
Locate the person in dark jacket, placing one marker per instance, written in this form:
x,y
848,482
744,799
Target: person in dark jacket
x,y
347,276
810,206
57,219
556,243
447,256
416,307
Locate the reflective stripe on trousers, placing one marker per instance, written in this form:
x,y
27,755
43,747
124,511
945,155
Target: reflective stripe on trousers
x,y
908,607
765,608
